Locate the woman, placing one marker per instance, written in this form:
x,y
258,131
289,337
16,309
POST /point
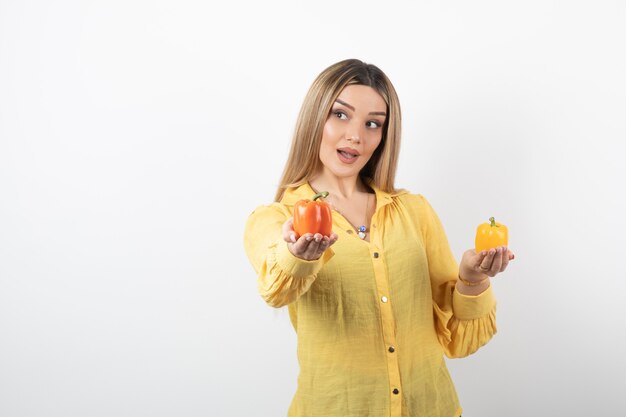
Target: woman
x,y
377,303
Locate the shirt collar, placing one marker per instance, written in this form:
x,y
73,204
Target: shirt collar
x,y
305,192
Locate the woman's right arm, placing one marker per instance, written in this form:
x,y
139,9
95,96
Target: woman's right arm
x,y
283,276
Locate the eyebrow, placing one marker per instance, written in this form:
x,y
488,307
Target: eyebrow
x,y
375,113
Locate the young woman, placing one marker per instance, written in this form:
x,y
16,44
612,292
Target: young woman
x,y
378,303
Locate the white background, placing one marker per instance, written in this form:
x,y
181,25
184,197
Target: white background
x,y
137,136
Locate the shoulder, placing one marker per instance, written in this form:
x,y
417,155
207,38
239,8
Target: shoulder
x,y
414,201
408,196
418,208
265,221
399,196
269,211
282,210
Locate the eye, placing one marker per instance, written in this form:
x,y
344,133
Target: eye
x,y
340,115
372,124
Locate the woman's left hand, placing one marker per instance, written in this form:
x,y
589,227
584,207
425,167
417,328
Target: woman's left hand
x,y
474,266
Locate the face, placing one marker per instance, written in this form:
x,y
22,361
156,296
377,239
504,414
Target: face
x,y
353,131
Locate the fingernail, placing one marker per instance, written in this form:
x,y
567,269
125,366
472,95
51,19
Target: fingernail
x,y
293,237
308,238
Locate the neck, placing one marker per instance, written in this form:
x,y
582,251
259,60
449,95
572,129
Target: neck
x,y
344,187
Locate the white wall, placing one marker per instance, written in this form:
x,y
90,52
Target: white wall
x,y
130,132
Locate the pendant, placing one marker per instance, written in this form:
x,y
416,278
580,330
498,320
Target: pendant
x,y
362,231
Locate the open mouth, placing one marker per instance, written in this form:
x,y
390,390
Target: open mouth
x,y
347,156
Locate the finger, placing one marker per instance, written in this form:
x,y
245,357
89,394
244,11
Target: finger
x,y
289,235
324,244
505,259
332,239
479,257
312,251
497,262
485,264
308,247
511,256
300,247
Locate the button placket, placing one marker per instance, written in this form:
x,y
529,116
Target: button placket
x,y
388,323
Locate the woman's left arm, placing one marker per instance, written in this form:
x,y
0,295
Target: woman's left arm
x,y
476,269
465,313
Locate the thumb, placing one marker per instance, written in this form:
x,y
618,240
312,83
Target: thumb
x,y
289,235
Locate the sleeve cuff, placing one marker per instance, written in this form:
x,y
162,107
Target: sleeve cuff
x,y
470,307
297,267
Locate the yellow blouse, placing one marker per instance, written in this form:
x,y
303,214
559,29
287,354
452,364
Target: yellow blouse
x,y
373,319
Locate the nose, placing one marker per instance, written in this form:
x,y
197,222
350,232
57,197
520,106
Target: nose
x,y
353,133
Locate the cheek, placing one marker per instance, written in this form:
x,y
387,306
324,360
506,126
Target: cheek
x,y
374,144
330,131
329,136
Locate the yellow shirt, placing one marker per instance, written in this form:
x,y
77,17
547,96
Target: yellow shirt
x,y
373,319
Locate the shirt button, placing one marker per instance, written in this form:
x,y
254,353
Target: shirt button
x,y
392,349
375,254
396,391
383,299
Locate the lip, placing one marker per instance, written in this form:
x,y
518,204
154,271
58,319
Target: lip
x,y
347,160
350,150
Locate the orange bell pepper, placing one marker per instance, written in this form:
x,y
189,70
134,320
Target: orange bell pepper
x,y
313,216
490,235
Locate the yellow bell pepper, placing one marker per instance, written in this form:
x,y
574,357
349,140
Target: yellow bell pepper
x,y
490,235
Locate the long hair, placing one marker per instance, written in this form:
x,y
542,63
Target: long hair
x,y
304,161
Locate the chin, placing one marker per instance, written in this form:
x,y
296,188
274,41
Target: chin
x,y
341,171
345,173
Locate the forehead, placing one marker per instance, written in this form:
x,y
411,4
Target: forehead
x,y
363,98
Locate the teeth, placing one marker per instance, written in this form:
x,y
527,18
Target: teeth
x,y
347,155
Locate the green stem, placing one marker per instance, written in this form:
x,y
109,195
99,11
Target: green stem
x,y
493,221
323,194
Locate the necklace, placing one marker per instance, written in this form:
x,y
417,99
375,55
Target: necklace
x,y
361,230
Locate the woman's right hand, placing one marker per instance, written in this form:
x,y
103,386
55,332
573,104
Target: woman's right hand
x,y
309,247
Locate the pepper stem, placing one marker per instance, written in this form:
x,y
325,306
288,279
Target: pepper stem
x,y
493,221
323,194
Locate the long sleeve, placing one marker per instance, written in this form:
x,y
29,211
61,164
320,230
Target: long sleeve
x,y
282,277
463,323
374,322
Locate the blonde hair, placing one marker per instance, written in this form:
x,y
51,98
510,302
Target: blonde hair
x,y
304,161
